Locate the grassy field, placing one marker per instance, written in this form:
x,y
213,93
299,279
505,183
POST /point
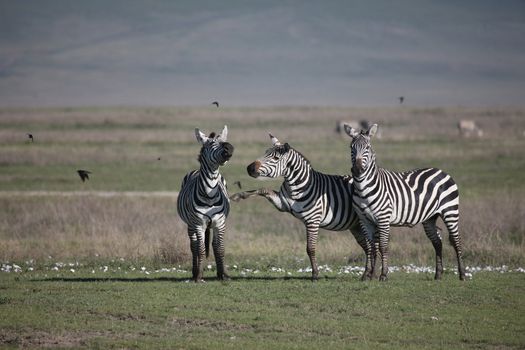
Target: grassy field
x,y
80,256
263,312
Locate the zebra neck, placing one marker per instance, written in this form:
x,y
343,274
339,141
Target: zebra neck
x,y
208,181
298,176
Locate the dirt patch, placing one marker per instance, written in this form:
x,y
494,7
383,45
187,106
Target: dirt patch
x,y
215,325
32,339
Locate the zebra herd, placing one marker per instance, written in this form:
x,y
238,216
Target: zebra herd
x,y
366,203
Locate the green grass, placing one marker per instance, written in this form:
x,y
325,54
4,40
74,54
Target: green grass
x,y
263,312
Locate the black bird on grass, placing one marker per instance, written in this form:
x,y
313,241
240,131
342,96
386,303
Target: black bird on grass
x,y
216,103
401,99
84,174
30,136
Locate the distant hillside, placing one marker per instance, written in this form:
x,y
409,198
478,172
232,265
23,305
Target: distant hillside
x,y
262,53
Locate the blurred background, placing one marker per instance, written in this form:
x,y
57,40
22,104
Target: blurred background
x,y
262,53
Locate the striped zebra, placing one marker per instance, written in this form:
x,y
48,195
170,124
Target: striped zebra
x,y
203,202
317,199
384,198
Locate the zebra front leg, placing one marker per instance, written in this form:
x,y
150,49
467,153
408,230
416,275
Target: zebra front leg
x,y
218,251
271,195
366,245
236,197
369,230
197,246
311,243
383,235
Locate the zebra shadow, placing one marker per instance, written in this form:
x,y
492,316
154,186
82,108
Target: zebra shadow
x,y
178,279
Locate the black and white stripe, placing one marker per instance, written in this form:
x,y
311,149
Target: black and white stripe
x,y
384,198
318,200
203,202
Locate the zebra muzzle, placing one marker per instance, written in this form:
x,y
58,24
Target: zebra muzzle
x,y
253,169
359,165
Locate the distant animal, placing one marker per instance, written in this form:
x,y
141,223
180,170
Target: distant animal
x,y
203,202
339,125
384,198
30,136
401,99
238,183
318,200
468,128
216,103
84,174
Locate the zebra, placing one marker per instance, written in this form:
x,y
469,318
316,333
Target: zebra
x,y
203,202
318,200
384,198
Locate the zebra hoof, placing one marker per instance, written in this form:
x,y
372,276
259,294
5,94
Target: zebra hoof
x,y
383,278
224,277
199,280
236,197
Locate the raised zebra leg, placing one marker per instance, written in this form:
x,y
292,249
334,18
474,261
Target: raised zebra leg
x,y
197,246
218,251
432,233
451,221
243,195
366,244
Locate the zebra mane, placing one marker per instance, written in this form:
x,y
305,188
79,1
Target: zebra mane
x,y
300,154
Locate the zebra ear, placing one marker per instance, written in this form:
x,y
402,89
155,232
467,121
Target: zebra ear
x,y
201,137
275,142
372,130
350,131
224,134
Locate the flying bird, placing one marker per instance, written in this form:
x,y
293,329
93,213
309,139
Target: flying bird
x,y
238,183
30,136
216,103
84,174
401,99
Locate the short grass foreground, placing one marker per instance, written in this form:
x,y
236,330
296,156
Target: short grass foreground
x,y
268,310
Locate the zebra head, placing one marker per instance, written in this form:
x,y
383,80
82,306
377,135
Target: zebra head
x,y
274,162
215,150
362,153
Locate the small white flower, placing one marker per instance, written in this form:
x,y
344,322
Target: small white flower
x,y
209,267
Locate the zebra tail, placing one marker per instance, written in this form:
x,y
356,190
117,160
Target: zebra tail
x,y
207,241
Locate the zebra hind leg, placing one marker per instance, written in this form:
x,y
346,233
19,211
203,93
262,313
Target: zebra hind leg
x,y
451,221
432,233
218,251
198,252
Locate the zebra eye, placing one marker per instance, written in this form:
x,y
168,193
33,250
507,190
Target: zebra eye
x,y
275,158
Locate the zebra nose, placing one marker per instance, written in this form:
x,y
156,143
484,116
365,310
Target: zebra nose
x,y
253,168
228,150
359,164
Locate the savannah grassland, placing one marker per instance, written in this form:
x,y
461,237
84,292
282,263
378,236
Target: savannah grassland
x,y
149,150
